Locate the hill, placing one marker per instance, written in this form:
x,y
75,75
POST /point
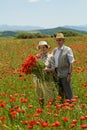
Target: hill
x,y
8,34
58,29
49,31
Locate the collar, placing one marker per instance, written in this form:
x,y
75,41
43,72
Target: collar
x,y
61,48
43,56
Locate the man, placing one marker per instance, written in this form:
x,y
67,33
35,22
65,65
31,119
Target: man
x,y
64,59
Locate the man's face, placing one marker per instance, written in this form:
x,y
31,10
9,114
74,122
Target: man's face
x,y
59,42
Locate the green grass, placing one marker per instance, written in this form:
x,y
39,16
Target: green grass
x,y
17,92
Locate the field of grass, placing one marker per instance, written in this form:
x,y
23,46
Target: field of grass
x,y
19,108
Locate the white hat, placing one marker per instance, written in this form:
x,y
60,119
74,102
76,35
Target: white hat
x,y
43,43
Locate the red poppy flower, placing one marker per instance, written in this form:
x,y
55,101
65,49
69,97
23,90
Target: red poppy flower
x,y
44,124
33,65
28,64
84,126
65,119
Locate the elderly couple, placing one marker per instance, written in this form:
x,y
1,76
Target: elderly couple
x,y
59,63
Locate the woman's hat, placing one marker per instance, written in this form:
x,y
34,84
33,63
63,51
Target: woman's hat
x,y
43,43
60,36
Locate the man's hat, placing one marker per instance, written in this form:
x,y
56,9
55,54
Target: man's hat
x,y
60,36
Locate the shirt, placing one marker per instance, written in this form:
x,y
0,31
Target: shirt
x,y
69,54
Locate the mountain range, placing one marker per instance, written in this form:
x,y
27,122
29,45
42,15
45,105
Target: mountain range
x,y
79,27
32,28
18,28
8,30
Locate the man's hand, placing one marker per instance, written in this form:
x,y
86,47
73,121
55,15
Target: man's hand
x,y
69,76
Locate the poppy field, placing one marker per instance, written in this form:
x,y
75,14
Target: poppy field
x,y
19,107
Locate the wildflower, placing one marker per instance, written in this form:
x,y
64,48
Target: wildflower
x,y
25,122
2,105
83,126
36,115
72,125
48,106
0,122
30,127
85,95
14,114
3,118
33,65
28,64
82,118
30,106
55,115
82,106
22,111
16,94
32,122
74,121
56,124
44,124
37,122
23,100
28,116
19,110
11,109
65,119
39,110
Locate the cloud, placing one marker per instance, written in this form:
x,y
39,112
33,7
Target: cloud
x,y
32,1
47,0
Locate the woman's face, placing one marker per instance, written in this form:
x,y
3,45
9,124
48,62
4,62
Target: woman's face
x,y
43,49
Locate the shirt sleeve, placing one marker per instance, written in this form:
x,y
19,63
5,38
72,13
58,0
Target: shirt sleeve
x,y
70,55
51,62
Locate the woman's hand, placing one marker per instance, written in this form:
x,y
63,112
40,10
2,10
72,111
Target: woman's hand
x,y
48,69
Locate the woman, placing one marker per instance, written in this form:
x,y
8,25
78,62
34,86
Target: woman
x,y
45,90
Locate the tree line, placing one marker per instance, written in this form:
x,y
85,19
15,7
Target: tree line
x,y
25,35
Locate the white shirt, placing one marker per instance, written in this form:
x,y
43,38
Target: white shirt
x,y
69,54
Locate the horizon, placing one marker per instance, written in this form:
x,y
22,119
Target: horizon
x,y
43,27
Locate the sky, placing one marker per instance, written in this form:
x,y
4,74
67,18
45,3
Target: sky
x,y
43,13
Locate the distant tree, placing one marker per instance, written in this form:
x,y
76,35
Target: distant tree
x,y
53,35
70,33
8,33
25,35
22,35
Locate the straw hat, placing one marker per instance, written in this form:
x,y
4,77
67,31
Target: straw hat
x,y
60,36
43,43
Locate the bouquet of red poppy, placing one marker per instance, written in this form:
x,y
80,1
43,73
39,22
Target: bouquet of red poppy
x,y
33,65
